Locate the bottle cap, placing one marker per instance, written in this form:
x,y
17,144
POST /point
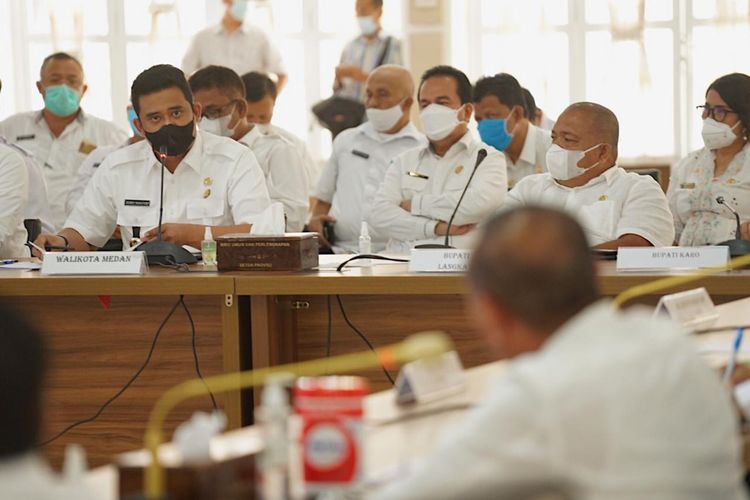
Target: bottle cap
x,y
207,233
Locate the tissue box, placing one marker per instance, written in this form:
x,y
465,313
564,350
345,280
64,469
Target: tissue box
x,y
244,252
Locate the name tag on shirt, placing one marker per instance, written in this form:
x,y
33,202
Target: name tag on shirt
x,y
687,185
137,203
659,258
86,147
25,137
360,154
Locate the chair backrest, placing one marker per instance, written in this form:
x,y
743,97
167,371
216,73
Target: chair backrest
x,y
33,228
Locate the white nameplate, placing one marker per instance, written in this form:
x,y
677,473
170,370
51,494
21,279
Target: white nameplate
x,y
94,263
439,260
426,380
691,308
655,258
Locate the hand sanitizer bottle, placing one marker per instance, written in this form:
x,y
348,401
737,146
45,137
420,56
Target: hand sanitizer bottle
x,y
208,248
365,244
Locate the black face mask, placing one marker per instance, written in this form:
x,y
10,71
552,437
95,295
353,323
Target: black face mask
x,y
175,139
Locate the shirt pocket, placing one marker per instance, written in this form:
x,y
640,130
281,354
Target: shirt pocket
x,y
598,219
208,211
134,216
683,202
412,185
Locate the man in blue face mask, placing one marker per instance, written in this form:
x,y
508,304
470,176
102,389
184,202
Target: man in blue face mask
x,y
61,135
504,124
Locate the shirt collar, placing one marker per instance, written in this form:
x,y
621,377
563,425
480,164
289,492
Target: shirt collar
x,y
81,118
219,29
380,36
465,143
252,136
589,320
528,153
609,176
409,131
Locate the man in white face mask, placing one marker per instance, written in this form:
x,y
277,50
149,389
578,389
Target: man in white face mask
x,y
422,186
366,52
360,157
221,94
616,208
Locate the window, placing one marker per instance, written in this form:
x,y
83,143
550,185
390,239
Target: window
x,y
650,61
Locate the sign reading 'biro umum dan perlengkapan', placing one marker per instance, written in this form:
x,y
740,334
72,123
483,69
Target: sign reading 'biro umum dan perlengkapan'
x,y
660,258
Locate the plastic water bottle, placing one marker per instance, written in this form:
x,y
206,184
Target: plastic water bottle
x,y
365,244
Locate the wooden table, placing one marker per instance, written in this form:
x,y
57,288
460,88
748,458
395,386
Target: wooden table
x,y
93,351
242,320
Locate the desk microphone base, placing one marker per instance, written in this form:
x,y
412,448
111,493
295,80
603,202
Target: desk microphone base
x,y
737,248
163,252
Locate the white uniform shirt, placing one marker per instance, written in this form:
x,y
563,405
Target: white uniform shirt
x,y
286,176
434,198
14,192
365,55
218,183
693,189
533,158
60,157
616,404
313,167
28,477
246,49
609,206
87,170
38,203
353,175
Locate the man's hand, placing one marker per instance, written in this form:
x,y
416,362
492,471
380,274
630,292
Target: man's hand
x,y
349,71
316,225
179,234
442,227
406,205
745,231
50,242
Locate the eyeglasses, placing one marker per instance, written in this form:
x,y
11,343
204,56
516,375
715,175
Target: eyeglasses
x,y
214,112
718,113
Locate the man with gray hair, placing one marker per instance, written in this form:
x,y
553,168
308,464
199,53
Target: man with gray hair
x,y
595,403
616,208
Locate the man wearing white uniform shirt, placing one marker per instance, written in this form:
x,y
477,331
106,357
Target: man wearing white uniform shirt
x,y
14,192
61,135
504,124
616,208
209,180
360,157
594,404
422,187
260,94
221,94
230,44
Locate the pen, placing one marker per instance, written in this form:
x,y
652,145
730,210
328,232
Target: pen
x,y
8,261
34,245
733,358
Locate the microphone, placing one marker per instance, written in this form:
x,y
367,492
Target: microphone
x,y
159,251
737,247
481,155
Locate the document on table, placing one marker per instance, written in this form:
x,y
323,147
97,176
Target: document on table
x,y
29,266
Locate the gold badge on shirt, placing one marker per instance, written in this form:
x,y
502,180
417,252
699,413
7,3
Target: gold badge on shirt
x,y
459,169
208,181
206,193
687,185
732,180
603,197
86,147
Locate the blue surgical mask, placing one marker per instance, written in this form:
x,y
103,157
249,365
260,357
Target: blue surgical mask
x,y
495,133
131,120
61,100
238,9
367,25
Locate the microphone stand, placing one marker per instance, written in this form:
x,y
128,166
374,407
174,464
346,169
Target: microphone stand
x,y
737,247
159,251
481,155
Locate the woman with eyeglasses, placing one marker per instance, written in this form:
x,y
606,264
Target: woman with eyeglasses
x,y
720,170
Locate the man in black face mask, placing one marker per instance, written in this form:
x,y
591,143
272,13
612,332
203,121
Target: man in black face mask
x,y
209,180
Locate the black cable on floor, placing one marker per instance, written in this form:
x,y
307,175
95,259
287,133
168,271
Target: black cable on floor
x,y
195,352
361,335
124,388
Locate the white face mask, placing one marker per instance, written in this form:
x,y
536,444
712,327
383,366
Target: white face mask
x,y
563,164
217,126
439,121
263,127
717,135
367,25
384,119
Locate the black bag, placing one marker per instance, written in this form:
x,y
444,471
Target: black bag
x,y
340,113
